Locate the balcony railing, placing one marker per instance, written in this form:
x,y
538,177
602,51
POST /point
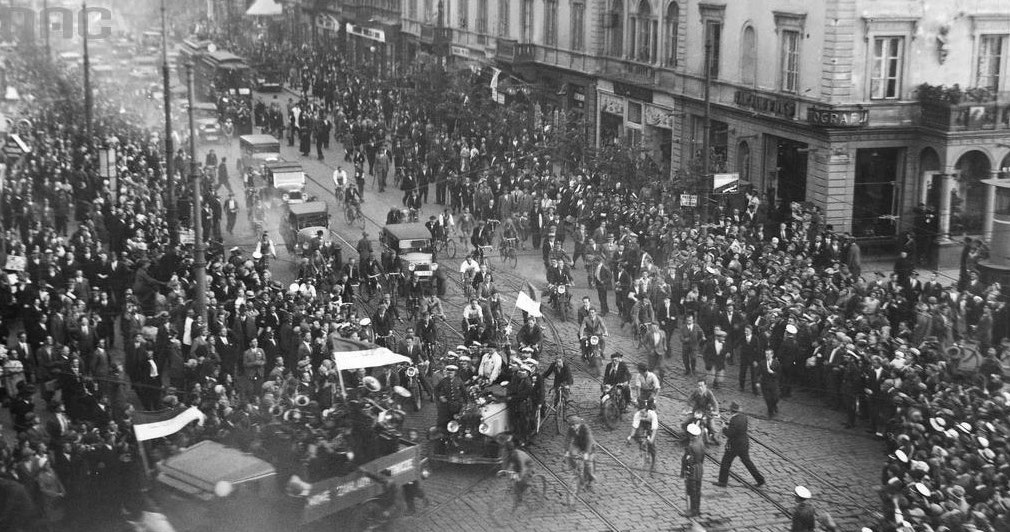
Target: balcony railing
x,y
966,116
638,73
514,52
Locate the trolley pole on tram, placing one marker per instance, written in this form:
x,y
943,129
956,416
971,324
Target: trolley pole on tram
x,y
706,159
173,204
199,246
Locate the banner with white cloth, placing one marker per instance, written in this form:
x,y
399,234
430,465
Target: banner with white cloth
x,y
152,425
528,300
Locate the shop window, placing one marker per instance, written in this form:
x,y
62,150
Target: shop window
x,y
635,113
578,26
968,197
875,197
672,33
743,160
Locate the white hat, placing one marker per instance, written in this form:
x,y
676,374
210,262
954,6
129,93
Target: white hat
x,y
802,492
900,455
693,429
464,358
922,489
365,322
791,329
452,367
371,383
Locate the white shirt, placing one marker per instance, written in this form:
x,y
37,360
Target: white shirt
x,y
340,178
154,368
490,366
650,417
469,265
187,332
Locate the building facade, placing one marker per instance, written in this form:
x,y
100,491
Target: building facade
x,y
865,108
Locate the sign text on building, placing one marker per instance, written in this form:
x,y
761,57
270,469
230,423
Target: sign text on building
x,y
368,33
633,92
838,117
763,104
659,117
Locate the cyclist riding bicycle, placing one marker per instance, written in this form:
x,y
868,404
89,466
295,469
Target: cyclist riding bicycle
x,y
520,464
352,198
580,442
468,271
562,376
432,305
509,234
339,181
645,384
645,426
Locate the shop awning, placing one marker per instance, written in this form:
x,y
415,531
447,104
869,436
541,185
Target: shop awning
x,y
15,146
265,8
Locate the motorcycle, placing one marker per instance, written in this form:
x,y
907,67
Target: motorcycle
x,y
414,375
561,299
703,420
612,404
592,353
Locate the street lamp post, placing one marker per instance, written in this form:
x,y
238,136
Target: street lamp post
x,y
199,247
87,71
173,207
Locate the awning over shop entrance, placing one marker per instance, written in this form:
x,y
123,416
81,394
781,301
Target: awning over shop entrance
x,y
265,8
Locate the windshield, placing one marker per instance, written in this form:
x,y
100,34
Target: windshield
x,y
422,245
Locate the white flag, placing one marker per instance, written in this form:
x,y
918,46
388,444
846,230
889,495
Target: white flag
x,y
526,303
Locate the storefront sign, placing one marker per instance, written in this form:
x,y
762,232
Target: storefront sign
x,y
658,117
460,51
838,117
368,33
578,96
611,104
15,147
633,92
688,200
763,104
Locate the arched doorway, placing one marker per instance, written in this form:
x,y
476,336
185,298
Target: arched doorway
x,y
967,203
1004,167
929,167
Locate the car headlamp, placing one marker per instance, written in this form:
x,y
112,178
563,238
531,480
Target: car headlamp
x,y
452,427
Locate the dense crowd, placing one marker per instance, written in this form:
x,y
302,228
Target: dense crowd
x,y
770,289
921,361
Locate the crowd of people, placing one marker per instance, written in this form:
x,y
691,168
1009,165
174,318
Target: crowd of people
x,y
770,289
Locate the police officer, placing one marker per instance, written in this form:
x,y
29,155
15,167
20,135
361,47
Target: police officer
x,y
806,516
692,469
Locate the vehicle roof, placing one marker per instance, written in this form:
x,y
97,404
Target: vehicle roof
x,y
310,207
259,139
223,56
408,231
284,166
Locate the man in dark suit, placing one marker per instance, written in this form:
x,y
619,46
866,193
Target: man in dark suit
x,y
715,354
616,373
603,280
732,322
751,349
666,316
737,445
770,373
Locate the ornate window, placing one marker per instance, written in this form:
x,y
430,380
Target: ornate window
x,y
578,26
672,29
615,28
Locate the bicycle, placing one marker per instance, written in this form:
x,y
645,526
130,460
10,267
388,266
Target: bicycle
x,y
447,246
533,496
561,406
352,213
642,333
647,458
581,480
508,251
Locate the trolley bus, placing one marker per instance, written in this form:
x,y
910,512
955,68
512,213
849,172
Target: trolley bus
x,y
220,72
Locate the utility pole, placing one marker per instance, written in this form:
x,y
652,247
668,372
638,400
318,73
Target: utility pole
x,y
45,28
706,161
87,73
173,204
199,247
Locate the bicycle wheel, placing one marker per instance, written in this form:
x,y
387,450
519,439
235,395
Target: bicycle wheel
x,y
536,493
415,394
561,415
500,513
349,215
513,258
450,249
538,419
610,415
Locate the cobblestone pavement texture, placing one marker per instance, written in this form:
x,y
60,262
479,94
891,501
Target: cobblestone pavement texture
x,y
804,445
